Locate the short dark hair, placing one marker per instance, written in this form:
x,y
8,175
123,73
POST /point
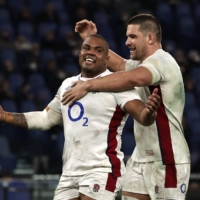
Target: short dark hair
x,y
147,23
102,38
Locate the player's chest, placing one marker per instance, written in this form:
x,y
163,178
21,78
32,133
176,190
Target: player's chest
x,y
94,103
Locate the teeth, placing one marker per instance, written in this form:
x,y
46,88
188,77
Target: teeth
x,y
89,60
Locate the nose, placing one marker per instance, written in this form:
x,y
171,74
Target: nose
x,y
91,51
127,43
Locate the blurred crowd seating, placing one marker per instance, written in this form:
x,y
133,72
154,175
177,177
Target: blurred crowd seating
x,y
39,49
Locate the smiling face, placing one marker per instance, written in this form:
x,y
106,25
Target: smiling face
x,y
137,42
93,56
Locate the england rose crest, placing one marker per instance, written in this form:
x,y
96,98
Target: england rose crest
x,y
96,188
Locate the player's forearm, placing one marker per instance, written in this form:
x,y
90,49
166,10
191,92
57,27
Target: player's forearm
x,y
115,82
148,119
116,62
42,120
17,119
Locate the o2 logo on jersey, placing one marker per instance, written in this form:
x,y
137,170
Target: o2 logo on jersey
x,y
78,108
183,188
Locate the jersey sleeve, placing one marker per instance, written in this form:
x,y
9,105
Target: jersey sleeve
x,y
125,96
55,104
131,64
158,69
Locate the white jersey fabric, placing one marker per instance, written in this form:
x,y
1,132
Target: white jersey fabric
x,y
93,127
164,140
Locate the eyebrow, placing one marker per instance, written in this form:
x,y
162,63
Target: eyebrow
x,y
131,35
96,47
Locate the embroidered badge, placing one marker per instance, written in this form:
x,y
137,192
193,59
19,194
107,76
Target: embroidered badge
x,y
96,188
149,153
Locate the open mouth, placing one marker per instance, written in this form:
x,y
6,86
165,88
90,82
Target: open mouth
x,y
132,49
89,60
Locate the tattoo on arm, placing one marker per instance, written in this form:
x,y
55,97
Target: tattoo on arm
x,y
19,120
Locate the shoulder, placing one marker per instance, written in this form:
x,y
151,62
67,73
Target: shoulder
x,y
127,94
157,60
160,56
70,80
67,83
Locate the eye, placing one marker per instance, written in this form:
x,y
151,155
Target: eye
x,y
133,36
85,48
99,50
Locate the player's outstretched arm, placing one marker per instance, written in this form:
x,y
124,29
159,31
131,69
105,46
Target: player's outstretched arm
x,y
144,114
41,120
17,119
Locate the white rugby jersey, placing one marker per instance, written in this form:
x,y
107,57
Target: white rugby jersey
x,y
164,140
93,126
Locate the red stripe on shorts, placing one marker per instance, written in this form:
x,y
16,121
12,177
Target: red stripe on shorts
x,y
111,183
170,176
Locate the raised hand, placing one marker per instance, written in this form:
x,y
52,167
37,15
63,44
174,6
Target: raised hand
x,y
153,102
85,28
2,114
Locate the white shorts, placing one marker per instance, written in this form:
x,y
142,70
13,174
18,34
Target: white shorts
x,y
96,185
157,180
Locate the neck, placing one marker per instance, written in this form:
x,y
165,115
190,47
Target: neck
x,y
91,74
150,51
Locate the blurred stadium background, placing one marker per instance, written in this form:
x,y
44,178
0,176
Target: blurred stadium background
x,y
39,49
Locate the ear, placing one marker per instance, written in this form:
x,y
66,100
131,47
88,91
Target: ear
x,y
151,38
107,60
